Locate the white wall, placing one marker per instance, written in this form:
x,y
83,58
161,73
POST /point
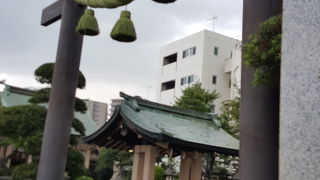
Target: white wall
x,y
204,64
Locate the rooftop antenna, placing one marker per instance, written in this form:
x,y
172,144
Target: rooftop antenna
x,y
213,19
148,88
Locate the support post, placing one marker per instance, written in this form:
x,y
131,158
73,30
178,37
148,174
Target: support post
x,y
60,112
2,152
87,157
8,152
149,162
259,113
190,166
138,160
143,162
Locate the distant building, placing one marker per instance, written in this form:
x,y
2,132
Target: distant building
x,y
98,111
207,57
114,103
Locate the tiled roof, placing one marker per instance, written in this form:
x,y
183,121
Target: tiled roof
x,y
13,96
167,124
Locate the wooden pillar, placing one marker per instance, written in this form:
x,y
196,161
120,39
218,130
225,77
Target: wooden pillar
x,y
87,155
143,162
2,152
196,166
29,159
190,167
8,152
138,159
149,162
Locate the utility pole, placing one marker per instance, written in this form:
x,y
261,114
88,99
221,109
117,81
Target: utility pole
x,y
62,96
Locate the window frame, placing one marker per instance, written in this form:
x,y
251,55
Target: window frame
x,y
216,51
214,79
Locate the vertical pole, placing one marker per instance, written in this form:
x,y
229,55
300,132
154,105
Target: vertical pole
x,y
138,163
196,166
149,162
60,112
259,113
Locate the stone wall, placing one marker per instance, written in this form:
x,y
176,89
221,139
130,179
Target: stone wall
x,y
300,91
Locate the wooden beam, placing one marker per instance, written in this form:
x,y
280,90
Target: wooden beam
x,y
52,13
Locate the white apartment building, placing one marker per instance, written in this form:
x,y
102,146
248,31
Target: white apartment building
x,y
98,111
114,103
207,57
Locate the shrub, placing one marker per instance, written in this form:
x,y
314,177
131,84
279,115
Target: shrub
x,y
263,53
84,178
24,172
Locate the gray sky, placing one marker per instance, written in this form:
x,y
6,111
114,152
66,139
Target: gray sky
x,y
109,66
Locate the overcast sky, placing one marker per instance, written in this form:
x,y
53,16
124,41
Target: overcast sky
x,y
109,66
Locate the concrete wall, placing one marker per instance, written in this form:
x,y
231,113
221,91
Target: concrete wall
x,y
300,91
98,111
203,65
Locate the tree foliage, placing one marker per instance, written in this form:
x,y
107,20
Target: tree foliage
x,y
74,165
106,159
25,172
42,96
84,178
22,126
104,167
263,52
230,115
44,75
196,98
159,173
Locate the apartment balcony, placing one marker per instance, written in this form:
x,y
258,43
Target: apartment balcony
x,y
167,96
169,68
228,65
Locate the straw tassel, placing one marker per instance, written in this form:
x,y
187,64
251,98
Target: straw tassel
x,y
88,24
124,30
164,1
110,4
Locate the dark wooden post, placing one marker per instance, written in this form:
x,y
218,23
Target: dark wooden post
x,y
65,77
259,114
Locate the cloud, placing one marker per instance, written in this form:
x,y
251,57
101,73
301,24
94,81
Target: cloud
x,y
110,66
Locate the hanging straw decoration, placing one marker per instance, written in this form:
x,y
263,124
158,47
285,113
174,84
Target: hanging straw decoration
x,y
110,4
88,24
164,1
124,30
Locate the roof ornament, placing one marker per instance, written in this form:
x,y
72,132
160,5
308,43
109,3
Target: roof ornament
x,y
216,123
133,104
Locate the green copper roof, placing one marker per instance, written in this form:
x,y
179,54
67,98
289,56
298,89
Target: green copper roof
x,y
165,124
13,96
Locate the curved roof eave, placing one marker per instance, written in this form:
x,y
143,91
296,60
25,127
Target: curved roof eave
x,y
97,134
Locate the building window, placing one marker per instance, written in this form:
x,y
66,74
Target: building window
x,y
213,108
214,79
187,80
168,85
170,59
216,51
192,51
189,52
184,81
231,54
190,79
230,83
185,53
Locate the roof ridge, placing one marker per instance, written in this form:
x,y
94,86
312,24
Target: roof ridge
x,y
182,111
19,90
